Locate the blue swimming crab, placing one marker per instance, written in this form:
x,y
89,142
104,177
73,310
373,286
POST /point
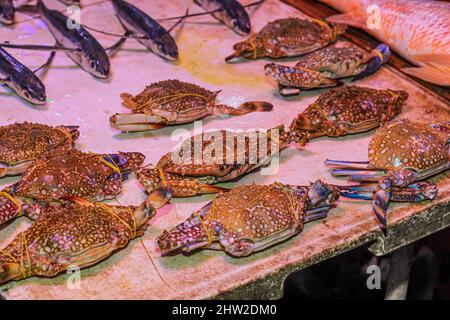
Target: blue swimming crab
x,y
197,165
287,38
21,143
77,235
173,102
400,154
323,68
59,176
348,110
250,218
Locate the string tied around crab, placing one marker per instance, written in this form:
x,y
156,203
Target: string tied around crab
x,y
12,197
25,272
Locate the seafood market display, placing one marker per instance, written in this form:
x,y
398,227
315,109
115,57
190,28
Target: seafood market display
x,y
401,153
250,218
415,29
287,38
21,143
323,68
172,102
198,141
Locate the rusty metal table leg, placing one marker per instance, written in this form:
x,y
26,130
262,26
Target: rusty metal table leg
x,y
397,286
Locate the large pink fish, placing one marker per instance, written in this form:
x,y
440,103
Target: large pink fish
x,y
418,30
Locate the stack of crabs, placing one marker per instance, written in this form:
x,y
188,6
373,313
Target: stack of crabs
x,y
62,189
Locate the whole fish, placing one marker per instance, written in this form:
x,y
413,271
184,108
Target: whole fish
x,y
91,56
158,39
20,79
418,30
231,13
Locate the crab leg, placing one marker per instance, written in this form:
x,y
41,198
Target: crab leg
x,y
246,107
298,77
347,164
317,213
416,192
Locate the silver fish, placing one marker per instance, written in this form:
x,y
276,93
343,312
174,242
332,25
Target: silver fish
x,y
158,39
20,79
91,57
229,12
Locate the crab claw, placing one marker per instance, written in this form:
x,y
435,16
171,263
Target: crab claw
x,y
187,236
10,271
132,122
381,56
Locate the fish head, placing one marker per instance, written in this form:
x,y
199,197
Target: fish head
x,y
98,66
7,12
166,47
240,21
30,88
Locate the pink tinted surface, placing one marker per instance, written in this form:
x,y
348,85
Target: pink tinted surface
x,y
77,98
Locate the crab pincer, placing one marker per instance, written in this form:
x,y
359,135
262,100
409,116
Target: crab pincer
x,y
172,102
402,153
250,218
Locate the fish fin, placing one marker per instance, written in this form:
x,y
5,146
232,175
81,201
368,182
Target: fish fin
x,y
436,74
119,43
436,58
351,18
47,63
179,21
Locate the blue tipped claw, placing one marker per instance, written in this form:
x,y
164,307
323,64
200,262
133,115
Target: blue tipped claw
x,y
382,56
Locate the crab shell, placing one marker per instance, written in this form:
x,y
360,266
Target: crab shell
x,y
21,143
348,110
286,38
74,173
72,236
189,171
405,144
245,219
